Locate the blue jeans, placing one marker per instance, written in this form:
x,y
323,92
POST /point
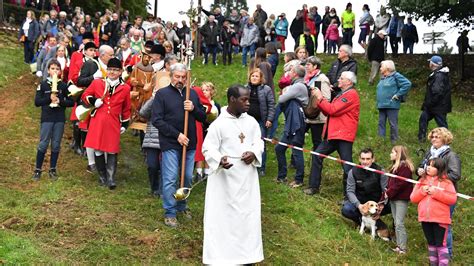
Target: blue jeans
x,y
449,238
275,121
392,115
51,131
408,45
264,131
245,50
332,47
280,150
170,171
344,148
29,51
210,49
425,117
153,163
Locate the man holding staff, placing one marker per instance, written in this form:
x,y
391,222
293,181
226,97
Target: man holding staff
x,y
168,115
233,149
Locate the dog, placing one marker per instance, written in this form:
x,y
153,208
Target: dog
x,y
368,210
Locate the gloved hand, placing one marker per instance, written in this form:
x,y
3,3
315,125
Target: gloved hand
x,y
122,130
395,98
97,74
98,103
39,74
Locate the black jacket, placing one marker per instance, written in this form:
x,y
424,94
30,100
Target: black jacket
x,y
168,116
210,34
438,92
338,67
296,28
376,50
87,72
43,99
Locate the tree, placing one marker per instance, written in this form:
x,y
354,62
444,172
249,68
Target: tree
x,y
227,5
136,7
2,18
456,11
445,49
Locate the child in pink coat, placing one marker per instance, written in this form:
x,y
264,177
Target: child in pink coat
x,y
332,35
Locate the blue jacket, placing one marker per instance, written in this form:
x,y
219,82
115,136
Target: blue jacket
x,y
294,117
281,27
168,116
33,31
395,84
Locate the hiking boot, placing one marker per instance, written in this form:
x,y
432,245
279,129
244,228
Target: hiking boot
x,y
37,175
311,191
295,184
171,222
53,174
281,180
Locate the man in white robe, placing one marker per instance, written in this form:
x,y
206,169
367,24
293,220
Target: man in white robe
x,y
233,149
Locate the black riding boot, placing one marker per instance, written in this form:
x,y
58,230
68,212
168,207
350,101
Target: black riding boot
x,y
111,170
155,177
100,165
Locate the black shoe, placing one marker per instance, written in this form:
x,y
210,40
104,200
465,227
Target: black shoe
x,y
156,194
91,168
53,174
37,175
281,180
311,191
198,177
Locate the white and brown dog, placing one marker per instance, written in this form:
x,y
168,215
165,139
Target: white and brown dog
x,y
368,211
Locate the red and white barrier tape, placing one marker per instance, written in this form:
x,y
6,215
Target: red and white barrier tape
x,y
277,142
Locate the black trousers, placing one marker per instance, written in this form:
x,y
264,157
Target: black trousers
x,y
425,118
434,234
343,148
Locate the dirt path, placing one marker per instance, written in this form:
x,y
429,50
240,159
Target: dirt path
x,y
15,96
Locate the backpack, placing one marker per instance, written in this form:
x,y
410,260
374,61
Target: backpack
x,y
311,111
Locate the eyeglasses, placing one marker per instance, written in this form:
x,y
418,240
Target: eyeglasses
x,y
435,137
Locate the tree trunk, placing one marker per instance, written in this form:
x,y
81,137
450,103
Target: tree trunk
x,y
117,6
2,17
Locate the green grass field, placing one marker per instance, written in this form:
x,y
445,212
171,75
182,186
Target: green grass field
x,y
74,221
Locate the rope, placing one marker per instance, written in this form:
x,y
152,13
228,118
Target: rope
x,y
277,142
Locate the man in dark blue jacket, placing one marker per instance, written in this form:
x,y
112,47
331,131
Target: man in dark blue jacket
x,y
168,111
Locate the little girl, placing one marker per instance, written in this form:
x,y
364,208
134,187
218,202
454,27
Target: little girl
x,y
434,194
398,192
332,36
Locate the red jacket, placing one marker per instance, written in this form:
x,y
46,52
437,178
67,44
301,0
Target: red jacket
x,y
435,207
104,126
399,189
343,115
309,22
77,60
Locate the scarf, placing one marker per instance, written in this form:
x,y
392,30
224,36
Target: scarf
x,y
310,75
435,153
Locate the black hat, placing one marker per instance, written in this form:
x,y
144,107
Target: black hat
x,y
88,35
89,45
149,44
158,49
115,63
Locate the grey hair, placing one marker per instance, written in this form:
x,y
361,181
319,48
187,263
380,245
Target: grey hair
x,y
351,76
124,38
170,57
313,60
104,48
389,65
177,67
347,48
299,70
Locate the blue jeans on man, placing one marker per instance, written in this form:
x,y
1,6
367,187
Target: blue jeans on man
x,y
408,45
280,150
245,50
210,49
170,171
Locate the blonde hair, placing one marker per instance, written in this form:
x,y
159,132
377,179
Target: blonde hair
x,y
402,158
262,78
210,86
445,135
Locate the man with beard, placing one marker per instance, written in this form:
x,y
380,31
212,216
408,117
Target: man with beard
x,y
168,111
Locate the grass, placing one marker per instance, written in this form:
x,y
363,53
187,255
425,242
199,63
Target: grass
x,y
74,221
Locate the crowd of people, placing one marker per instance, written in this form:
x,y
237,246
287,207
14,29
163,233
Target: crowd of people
x,y
120,74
